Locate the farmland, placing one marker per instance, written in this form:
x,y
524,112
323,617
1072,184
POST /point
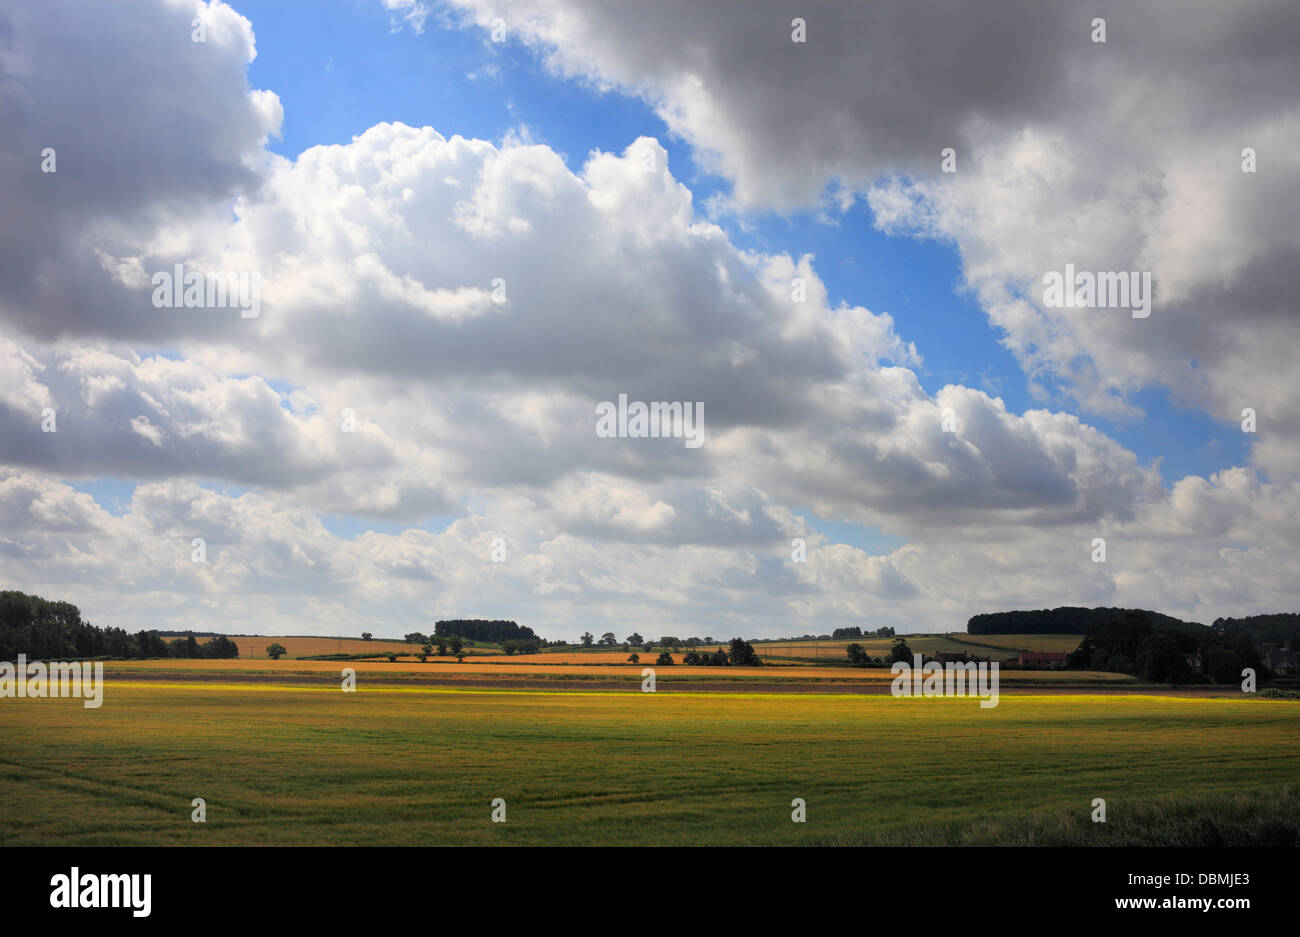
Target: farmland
x,y
280,764
542,666
1022,642
581,755
1002,646
254,646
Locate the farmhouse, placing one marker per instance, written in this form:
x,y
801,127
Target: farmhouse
x,y
1054,660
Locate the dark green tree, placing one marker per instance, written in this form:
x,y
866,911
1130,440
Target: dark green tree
x,y
742,654
900,651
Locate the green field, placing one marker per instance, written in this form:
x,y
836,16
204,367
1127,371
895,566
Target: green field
x,y
301,765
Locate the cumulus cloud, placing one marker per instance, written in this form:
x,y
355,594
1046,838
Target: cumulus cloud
x,y
273,567
1116,156
152,133
439,317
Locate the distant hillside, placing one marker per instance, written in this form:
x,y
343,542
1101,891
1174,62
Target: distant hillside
x,y
1069,620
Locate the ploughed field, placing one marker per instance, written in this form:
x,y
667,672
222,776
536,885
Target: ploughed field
x,y
419,764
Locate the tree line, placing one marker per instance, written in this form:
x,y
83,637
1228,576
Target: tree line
x,y
1066,620
1130,643
856,632
477,629
48,630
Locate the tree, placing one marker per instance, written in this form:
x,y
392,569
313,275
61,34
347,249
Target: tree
x,y
665,660
858,656
392,658
635,638
587,639
185,648
220,647
900,651
457,645
426,650
415,638
1117,663
442,648
647,647
608,639
634,658
1161,660
276,651
742,654
366,636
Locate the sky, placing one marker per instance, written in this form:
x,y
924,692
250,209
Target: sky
x,y
469,224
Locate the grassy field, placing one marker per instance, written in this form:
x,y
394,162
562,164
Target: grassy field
x,y
281,764
1022,642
